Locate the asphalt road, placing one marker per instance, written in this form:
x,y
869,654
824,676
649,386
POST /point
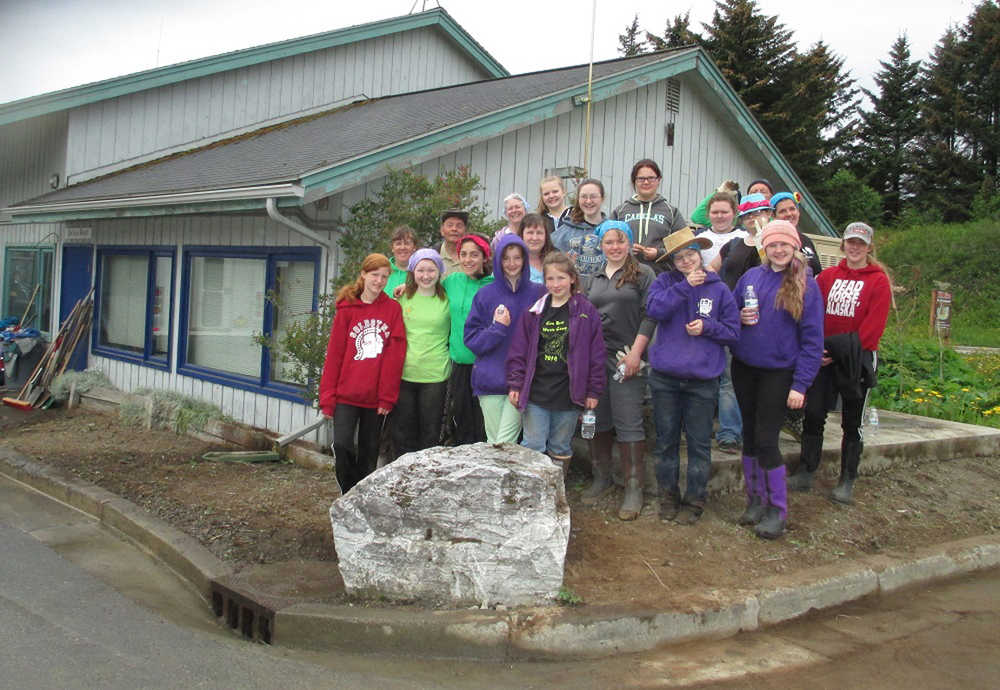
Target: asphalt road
x,y
80,608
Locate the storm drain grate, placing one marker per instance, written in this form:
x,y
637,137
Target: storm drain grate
x,y
242,614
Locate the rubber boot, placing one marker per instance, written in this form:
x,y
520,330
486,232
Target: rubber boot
x,y
776,498
634,461
600,465
812,450
850,458
755,506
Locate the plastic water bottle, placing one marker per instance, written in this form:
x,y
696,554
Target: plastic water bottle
x,y
588,424
872,424
750,302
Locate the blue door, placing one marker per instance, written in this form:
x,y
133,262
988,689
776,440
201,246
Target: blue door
x,y
77,279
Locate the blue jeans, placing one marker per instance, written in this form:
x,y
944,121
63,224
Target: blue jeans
x,y
730,421
549,430
691,403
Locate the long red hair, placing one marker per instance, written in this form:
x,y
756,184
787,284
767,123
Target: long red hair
x,y
352,291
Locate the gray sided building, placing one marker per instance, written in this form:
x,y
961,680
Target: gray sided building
x,y
195,189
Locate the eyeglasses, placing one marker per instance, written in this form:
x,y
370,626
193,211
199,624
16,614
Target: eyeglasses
x,y
590,197
646,179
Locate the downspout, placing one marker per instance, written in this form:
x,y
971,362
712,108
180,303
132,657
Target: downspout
x,y
321,426
331,247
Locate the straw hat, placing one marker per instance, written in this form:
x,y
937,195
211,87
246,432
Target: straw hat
x,y
684,237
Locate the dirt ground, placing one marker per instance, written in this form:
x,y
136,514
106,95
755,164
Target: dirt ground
x,y
268,513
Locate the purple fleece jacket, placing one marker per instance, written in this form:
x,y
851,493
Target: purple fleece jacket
x,y
489,339
585,358
672,303
778,341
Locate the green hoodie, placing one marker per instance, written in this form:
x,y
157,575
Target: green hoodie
x,y
460,289
396,278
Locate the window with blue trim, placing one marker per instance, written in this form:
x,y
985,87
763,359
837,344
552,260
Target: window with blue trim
x,y
226,305
27,290
134,305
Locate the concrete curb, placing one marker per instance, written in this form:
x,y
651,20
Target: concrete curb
x,y
525,633
180,552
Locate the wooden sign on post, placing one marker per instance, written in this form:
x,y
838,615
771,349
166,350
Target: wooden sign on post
x,y
941,311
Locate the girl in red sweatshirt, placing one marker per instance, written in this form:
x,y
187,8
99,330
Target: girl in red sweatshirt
x,y
364,364
857,295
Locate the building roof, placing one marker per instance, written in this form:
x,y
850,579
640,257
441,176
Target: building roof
x,y
308,158
73,97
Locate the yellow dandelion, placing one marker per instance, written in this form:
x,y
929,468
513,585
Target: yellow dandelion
x,y
918,390
965,390
918,400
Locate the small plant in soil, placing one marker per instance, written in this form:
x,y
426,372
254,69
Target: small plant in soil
x,y
567,597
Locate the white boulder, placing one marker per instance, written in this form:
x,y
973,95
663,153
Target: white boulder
x,y
472,525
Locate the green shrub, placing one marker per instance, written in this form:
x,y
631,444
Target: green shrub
x,y
925,378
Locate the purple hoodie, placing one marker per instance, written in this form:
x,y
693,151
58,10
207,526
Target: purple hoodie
x,y
672,303
489,339
778,341
585,358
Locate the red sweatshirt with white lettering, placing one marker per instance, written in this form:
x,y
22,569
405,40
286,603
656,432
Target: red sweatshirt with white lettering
x,y
364,357
856,300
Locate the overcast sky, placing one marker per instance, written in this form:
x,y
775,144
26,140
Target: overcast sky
x,y
54,44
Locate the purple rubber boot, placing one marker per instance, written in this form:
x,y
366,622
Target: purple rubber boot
x,y
772,525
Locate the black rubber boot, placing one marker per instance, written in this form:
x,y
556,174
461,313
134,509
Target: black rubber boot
x,y
754,512
772,526
809,457
843,492
600,465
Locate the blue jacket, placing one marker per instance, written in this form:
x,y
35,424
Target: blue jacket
x,y
777,341
581,243
585,359
673,303
488,339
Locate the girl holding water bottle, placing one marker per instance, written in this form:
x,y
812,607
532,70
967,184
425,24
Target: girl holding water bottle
x,y
774,362
857,295
618,291
696,319
555,364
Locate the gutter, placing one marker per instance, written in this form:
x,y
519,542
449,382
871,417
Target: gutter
x,y
213,195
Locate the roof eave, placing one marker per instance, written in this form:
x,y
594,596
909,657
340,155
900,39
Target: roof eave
x,y
204,201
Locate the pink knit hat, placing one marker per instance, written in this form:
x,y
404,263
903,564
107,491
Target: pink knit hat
x,y
780,231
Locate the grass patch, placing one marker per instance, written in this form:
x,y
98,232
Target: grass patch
x,y
960,254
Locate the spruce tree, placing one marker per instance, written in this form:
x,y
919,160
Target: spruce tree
x,y
887,134
815,113
678,34
753,52
946,178
629,43
980,51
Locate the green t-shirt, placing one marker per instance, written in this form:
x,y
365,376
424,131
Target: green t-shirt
x,y
427,320
461,289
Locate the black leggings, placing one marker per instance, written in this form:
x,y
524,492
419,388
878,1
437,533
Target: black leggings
x,y
465,418
416,420
763,398
355,461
